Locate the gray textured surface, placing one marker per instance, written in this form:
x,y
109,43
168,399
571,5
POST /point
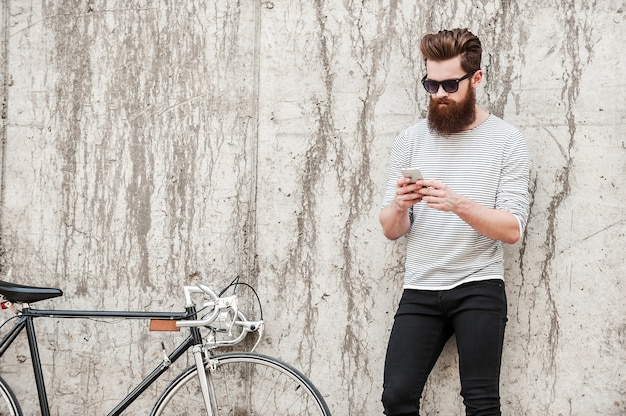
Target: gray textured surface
x,y
145,141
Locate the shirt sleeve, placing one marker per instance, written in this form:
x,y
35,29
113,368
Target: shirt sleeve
x,y
513,194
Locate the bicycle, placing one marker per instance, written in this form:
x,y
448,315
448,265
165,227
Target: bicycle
x,y
226,384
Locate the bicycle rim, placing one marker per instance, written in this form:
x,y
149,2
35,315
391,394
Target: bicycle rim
x,y
245,384
8,402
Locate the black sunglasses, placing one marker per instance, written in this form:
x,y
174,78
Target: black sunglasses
x,y
450,85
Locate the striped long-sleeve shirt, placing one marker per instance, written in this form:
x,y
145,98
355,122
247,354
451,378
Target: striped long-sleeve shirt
x,y
488,164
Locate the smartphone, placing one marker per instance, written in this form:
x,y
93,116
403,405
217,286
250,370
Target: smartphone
x,y
414,173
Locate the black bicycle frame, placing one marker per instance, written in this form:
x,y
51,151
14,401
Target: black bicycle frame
x,y
27,315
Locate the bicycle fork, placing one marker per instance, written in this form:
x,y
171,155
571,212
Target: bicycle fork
x,y
206,384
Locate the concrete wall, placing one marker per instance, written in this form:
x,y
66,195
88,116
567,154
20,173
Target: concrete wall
x,y
144,142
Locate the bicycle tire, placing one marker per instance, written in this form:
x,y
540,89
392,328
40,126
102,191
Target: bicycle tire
x,y
244,384
8,403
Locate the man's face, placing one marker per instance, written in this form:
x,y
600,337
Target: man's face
x,y
451,113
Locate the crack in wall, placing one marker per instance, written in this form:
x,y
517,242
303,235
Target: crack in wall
x,y
302,257
4,82
574,66
502,42
72,94
371,58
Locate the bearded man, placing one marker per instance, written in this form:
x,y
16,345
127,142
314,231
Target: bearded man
x,y
473,199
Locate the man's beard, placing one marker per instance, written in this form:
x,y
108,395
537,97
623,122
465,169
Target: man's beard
x,y
453,117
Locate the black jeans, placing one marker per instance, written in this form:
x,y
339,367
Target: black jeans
x,y
476,313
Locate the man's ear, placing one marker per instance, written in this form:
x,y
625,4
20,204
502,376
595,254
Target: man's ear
x,y
477,78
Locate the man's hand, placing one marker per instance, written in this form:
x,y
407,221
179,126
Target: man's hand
x,y
407,194
438,196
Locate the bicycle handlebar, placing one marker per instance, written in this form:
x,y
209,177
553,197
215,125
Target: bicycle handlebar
x,y
218,305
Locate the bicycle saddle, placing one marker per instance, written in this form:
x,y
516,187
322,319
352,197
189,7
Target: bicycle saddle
x,y
16,293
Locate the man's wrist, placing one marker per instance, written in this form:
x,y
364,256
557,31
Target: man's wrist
x,y
464,207
399,208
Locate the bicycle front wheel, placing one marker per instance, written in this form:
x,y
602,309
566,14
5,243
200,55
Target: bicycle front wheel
x,y
8,402
244,384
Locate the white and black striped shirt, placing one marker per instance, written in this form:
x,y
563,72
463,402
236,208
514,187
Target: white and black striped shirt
x,y
488,164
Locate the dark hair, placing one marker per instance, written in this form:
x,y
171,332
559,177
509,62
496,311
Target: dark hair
x,y
448,44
